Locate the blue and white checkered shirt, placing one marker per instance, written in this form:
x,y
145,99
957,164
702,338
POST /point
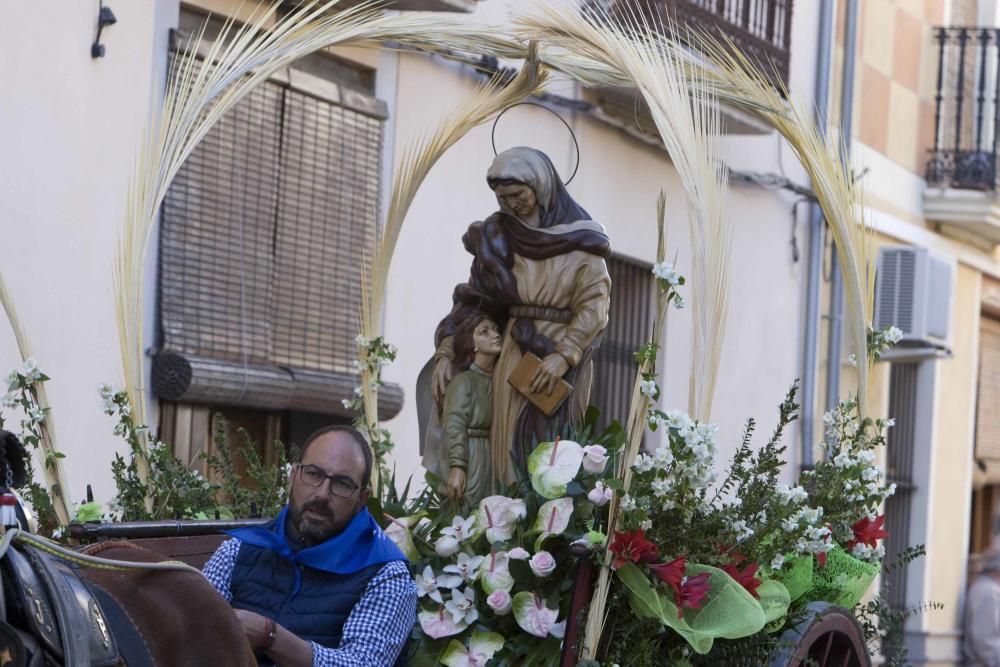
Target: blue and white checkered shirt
x,y
377,627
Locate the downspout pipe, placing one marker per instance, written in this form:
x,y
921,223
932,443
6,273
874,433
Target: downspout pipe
x,y
824,58
836,322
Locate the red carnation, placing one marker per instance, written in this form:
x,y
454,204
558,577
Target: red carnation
x,y
868,531
671,573
692,592
745,578
631,546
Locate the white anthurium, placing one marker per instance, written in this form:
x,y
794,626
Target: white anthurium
x,y
553,465
428,583
482,647
553,519
439,623
462,606
467,567
498,515
535,618
398,531
494,575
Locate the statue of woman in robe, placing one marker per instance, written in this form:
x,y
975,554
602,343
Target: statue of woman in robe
x,y
539,264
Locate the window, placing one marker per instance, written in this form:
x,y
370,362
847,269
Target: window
x,y
262,239
630,324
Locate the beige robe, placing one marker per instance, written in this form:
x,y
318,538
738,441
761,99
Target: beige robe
x,y
577,281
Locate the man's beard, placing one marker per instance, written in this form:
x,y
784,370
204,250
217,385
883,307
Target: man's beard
x,y
309,532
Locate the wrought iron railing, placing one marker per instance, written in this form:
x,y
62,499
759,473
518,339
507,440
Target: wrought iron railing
x,y
760,29
966,109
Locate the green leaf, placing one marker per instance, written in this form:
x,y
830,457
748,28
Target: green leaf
x,y
553,465
88,512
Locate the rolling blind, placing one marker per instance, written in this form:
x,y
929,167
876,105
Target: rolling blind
x,y
988,403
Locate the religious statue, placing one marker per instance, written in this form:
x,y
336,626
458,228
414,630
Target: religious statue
x,y
539,266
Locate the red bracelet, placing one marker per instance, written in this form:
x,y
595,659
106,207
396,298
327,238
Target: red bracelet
x,y
271,628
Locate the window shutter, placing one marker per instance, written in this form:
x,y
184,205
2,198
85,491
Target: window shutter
x,y
988,403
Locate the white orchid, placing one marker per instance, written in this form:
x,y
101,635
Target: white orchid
x,y
30,371
446,546
462,606
467,567
428,584
461,528
600,495
648,388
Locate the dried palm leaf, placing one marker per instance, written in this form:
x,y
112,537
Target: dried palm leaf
x,y
55,477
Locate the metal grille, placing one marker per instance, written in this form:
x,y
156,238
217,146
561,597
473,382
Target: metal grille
x,y
630,323
264,231
899,469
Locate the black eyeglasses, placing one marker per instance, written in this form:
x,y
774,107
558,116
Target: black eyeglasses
x,y
340,486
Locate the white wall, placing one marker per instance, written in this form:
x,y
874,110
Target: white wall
x,y
71,128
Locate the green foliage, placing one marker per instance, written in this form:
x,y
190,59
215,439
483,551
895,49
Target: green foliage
x,y
262,487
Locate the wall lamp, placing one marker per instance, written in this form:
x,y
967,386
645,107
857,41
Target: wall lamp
x,y
105,17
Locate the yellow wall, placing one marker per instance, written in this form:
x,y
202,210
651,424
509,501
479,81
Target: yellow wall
x,y
951,464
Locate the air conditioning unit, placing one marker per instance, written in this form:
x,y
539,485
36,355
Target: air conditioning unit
x,y
913,292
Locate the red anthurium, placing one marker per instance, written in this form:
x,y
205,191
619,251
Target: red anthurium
x,y
745,578
631,546
671,573
868,531
692,592
821,558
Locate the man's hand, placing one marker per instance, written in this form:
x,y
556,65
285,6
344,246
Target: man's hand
x,y
287,648
456,485
549,372
254,627
441,378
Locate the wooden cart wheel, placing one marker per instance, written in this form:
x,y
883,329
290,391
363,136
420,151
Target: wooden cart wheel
x,y
829,637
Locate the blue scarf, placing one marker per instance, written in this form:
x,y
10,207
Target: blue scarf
x,y
361,544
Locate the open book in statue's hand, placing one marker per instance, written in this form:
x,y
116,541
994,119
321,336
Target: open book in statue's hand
x,y
520,378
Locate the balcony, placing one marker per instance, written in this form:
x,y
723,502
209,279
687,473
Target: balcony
x,y
961,171
760,29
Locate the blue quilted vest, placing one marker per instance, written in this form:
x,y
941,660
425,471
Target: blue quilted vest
x,y
311,603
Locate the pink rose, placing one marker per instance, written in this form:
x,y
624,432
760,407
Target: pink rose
x,y
542,564
500,602
517,553
595,458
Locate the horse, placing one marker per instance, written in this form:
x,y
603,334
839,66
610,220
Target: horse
x,y
109,606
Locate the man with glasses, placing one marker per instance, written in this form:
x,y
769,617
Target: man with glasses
x,y
321,584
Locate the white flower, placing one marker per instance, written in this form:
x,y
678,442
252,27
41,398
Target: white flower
x,y
347,404
663,457
867,457
790,524
30,371
646,524
628,504
542,564
879,551
126,409
679,302
462,606
461,529
466,567
119,429
843,460
811,515
446,546
777,562
647,388
362,341
665,271
500,602
595,458
893,335
890,490
869,474
660,486
107,393
428,584
37,414
643,463
742,530
861,551
9,400
517,553
600,494
889,423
